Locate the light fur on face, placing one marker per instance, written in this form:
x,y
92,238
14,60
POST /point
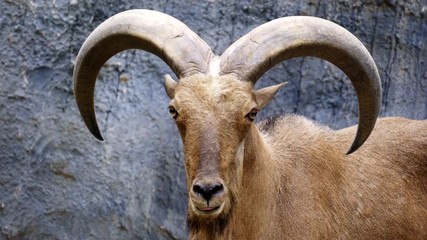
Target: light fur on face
x,y
213,122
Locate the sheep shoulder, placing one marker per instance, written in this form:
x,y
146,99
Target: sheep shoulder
x,y
323,193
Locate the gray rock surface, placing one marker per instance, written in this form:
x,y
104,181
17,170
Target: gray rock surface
x,y
59,182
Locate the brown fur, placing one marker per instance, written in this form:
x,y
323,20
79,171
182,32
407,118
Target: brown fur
x,y
288,178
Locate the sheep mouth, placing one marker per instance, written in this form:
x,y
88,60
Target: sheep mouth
x,y
208,209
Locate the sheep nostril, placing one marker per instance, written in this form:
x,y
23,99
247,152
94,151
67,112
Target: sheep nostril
x,y
208,190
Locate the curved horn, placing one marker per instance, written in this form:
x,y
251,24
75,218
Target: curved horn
x,y
168,38
265,46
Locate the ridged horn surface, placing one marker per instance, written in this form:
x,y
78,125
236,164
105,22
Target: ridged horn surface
x,y
168,38
273,42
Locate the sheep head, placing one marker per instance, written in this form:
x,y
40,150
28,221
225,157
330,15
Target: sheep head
x,y
213,115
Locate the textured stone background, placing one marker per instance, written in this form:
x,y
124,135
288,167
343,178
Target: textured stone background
x,y
59,182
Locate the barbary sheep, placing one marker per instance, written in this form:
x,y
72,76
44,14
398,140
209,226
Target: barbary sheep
x,y
286,177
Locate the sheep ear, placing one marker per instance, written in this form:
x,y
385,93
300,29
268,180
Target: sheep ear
x,y
170,86
264,95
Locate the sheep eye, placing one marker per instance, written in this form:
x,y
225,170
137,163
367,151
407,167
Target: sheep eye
x,y
173,112
252,115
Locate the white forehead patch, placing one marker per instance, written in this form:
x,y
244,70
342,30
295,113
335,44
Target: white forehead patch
x,y
214,66
215,86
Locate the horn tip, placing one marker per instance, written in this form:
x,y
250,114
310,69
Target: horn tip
x,y
96,133
98,136
351,150
356,145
